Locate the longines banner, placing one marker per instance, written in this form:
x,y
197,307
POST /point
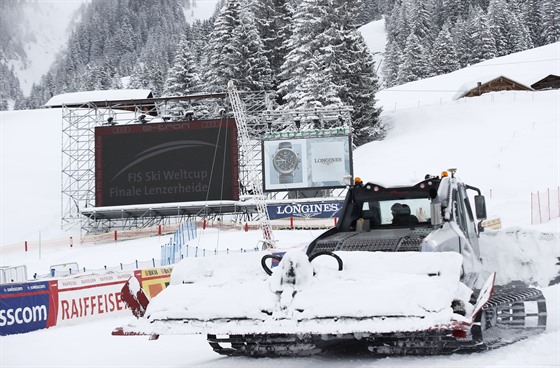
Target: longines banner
x,y
166,162
324,162
306,210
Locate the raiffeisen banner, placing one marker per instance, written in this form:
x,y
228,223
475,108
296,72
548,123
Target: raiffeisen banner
x,y
307,210
90,297
27,307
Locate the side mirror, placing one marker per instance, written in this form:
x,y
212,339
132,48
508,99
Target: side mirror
x,y
480,207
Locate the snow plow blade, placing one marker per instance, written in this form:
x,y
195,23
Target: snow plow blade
x,y
371,292
373,302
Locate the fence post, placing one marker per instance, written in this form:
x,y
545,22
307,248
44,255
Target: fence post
x,y
153,262
115,235
204,224
291,222
532,209
246,227
548,198
26,245
539,202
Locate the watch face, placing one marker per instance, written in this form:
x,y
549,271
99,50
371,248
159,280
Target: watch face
x,y
285,161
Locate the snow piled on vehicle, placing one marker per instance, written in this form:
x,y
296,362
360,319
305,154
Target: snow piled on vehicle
x,y
379,291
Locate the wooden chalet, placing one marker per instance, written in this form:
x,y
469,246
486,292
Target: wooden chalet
x,y
498,84
549,82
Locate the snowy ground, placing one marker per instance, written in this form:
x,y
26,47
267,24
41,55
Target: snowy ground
x,y
91,345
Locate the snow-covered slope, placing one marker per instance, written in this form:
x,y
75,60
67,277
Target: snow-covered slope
x,y
200,10
47,26
526,67
375,37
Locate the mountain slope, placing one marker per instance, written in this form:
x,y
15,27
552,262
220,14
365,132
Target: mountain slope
x,y
44,28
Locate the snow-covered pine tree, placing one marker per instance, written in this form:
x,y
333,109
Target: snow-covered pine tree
x,y
329,64
421,23
358,84
183,77
273,21
236,51
253,71
551,21
392,61
9,86
316,89
370,11
482,44
100,76
532,18
453,10
309,21
219,70
414,61
501,20
444,56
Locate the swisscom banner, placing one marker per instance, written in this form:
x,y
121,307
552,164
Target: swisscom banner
x,y
27,307
166,162
324,162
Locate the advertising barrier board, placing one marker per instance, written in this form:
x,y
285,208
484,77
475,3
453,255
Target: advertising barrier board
x,y
27,307
89,297
316,209
154,280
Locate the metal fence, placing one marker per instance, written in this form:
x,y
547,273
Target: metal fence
x,y
545,206
13,274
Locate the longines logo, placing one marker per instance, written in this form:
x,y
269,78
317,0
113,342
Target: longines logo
x,y
328,160
307,210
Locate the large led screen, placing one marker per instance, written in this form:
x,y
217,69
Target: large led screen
x,y
324,162
166,162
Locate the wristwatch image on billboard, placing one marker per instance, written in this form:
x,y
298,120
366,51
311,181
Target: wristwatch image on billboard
x,y
285,161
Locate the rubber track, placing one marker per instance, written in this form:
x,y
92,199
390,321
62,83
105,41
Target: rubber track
x,y
502,322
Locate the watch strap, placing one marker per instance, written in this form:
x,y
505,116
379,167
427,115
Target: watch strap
x,y
285,179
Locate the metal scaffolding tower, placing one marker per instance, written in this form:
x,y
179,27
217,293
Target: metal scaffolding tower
x,y
261,119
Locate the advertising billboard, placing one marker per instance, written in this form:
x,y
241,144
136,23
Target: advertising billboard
x,y
324,162
166,162
89,297
27,307
311,209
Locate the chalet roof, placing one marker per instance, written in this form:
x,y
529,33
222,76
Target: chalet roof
x,y
81,98
486,84
547,82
